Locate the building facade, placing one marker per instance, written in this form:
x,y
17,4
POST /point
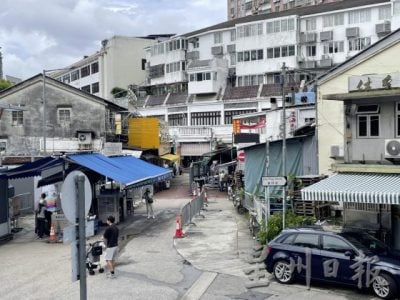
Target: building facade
x,y
241,8
198,81
120,62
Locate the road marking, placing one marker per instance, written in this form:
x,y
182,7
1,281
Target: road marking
x,y
200,286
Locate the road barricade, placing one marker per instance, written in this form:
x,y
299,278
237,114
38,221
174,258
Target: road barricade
x,y
188,212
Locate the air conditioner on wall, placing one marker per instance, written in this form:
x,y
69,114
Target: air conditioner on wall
x,y
85,138
392,149
336,151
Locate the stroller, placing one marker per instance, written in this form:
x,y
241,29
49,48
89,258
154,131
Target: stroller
x,y
93,253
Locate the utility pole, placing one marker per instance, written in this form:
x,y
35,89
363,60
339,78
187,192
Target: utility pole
x,y
1,65
283,79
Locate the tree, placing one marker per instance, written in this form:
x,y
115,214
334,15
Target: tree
x,y
4,84
118,92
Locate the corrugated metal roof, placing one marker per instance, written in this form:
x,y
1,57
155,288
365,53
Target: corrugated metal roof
x,y
356,188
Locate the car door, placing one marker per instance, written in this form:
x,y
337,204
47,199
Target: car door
x,y
335,259
304,251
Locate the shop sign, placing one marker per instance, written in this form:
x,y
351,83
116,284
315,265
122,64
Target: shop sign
x,y
374,82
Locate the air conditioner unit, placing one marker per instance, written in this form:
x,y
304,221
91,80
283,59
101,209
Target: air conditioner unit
x,y
392,149
336,151
84,138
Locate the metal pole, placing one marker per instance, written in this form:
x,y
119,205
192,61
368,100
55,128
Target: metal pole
x,y
44,113
80,184
316,120
283,143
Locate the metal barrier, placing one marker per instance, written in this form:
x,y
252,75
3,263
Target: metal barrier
x,y
190,209
21,204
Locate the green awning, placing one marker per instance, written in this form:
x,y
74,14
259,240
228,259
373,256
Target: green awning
x,y
356,188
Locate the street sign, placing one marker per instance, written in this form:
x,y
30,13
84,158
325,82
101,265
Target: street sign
x,y
241,156
274,181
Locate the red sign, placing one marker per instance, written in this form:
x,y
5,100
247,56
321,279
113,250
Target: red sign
x,y
241,156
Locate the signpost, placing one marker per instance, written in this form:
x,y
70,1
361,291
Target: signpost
x,y
274,181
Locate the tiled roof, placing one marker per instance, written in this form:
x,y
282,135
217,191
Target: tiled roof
x,y
300,11
242,92
17,160
177,99
156,100
275,89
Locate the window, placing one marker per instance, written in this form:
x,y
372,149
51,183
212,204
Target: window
x,y
292,51
396,8
270,52
333,20
246,56
360,16
260,54
206,118
95,67
334,244
66,78
177,119
249,30
230,113
359,43
64,116
249,80
306,240
385,13
233,35
75,75
277,26
218,38
368,109
253,55
3,146
95,88
17,118
270,27
85,71
240,56
277,52
86,88
232,59
333,47
368,126
311,24
311,50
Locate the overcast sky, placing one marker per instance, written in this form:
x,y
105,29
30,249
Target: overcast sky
x,y
49,34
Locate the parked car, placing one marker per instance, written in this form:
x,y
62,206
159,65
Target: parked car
x,y
347,258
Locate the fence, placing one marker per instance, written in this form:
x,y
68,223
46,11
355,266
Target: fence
x,y
189,210
21,204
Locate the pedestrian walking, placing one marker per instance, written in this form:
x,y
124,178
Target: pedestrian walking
x,y
111,240
149,203
41,217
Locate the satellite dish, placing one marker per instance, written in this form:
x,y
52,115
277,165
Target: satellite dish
x,y
69,198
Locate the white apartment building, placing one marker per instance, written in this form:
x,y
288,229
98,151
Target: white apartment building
x,y
242,8
198,81
120,62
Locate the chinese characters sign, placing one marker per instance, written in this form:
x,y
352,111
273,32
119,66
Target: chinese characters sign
x,y
374,82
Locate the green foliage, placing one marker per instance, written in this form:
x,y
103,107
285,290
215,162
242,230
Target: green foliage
x,y
269,230
4,84
118,92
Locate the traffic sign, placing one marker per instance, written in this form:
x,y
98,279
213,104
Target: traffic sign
x,y
241,156
274,181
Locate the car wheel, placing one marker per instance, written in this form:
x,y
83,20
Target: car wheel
x,y
282,272
384,286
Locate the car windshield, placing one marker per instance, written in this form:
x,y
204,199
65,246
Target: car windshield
x,y
365,242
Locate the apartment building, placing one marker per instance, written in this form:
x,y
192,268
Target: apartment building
x,y
120,62
197,82
241,8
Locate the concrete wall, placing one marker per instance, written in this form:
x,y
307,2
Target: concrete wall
x,y
331,113
86,115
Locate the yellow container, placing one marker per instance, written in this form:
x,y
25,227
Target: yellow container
x,y
144,133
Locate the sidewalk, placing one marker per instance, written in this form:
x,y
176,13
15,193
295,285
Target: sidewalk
x,y
220,241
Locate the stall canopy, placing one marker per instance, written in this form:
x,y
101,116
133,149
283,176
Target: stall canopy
x,y
356,188
127,170
171,157
31,169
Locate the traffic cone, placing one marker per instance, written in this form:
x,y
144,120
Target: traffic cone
x,y
52,237
178,229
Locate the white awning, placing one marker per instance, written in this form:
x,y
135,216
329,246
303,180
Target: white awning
x,y
356,188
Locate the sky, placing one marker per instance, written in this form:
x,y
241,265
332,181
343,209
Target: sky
x,y
51,34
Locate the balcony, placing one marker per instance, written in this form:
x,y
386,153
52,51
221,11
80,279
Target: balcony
x,y
325,61
309,37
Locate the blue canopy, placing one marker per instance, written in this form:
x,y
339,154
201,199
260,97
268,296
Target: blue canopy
x,y
127,170
32,168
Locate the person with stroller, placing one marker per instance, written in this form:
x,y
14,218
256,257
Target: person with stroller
x,y
41,217
149,203
111,241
